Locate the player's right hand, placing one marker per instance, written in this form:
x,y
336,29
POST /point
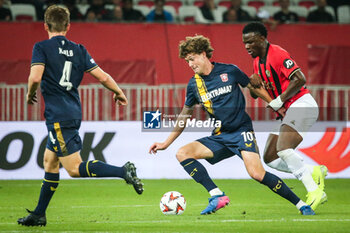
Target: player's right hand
x,y
31,99
157,146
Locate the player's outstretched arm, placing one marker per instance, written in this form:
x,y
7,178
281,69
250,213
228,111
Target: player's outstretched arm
x,y
108,82
184,115
259,92
264,95
34,79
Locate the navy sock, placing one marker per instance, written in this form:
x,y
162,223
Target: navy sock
x,y
198,172
278,186
48,188
97,168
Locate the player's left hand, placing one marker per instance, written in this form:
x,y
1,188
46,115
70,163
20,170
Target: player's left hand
x,y
282,112
256,81
120,99
31,99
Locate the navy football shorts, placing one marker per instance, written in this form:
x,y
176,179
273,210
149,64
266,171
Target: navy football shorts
x,y
64,137
226,145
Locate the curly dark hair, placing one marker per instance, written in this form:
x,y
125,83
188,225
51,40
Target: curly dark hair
x,y
255,27
196,44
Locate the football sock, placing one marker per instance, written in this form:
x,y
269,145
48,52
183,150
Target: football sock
x,y
198,172
278,186
310,168
300,204
96,168
280,165
299,170
215,192
48,188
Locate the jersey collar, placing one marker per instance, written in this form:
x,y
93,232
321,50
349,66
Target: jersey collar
x,y
263,60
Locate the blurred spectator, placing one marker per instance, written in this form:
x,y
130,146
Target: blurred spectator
x,y
38,4
90,16
117,14
158,14
336,3
264,17
285,16
5,13
75,14
208,13
320,15
97,11
116,2
130,14
207,9
230,16
242,15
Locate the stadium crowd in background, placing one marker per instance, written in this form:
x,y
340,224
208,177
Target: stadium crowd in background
x,y
320,14
236,9
159,14
285,15
208,11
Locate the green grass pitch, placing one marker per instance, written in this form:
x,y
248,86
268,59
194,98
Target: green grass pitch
x,y
108,205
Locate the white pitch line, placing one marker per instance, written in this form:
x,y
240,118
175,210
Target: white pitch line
x,y
232,220
208,221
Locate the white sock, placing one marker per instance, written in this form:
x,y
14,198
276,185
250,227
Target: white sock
x,y
310,168
279,165
300,204
299,170
215,192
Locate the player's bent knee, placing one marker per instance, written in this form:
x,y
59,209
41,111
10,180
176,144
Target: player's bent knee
x,y
74,173
182,154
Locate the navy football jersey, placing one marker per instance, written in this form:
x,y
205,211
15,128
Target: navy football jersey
x,y
65,63
221,96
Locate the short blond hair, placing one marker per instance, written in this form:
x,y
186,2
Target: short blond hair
x,y
196,44
57,18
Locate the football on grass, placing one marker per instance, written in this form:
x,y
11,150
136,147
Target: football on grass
x,y
172,203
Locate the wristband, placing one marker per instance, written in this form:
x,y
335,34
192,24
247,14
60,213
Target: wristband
x,y
276,103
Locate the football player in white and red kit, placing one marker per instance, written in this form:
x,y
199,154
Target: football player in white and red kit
x,y
285,83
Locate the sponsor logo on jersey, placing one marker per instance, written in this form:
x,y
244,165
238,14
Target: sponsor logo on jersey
x,y
288,63
216,92
224,77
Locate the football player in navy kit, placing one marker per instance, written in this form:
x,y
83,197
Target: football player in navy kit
x,y
215,86
58,65
284,81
